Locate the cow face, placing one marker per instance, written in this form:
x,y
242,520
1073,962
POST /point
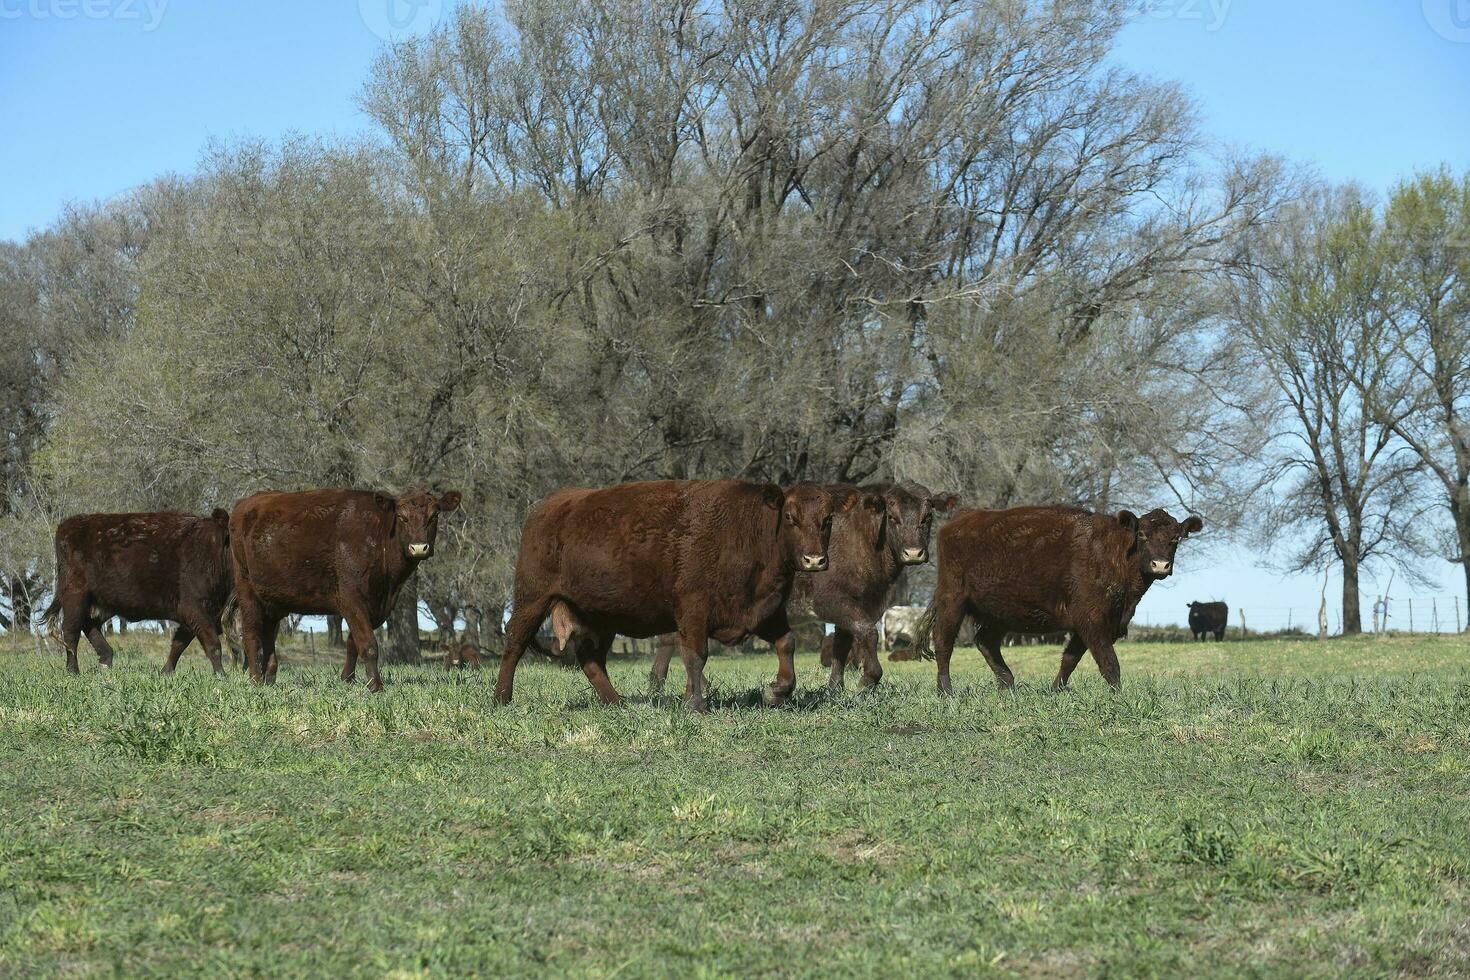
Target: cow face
x,y
416,519
910,514
1156,536
806,522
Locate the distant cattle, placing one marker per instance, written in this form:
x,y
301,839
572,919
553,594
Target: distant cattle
x,y
706,558
328,552
164,566
458,656
1046,569
871,546
1208,617
1036,639
900,626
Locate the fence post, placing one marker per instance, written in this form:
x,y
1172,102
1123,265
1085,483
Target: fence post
x,y
1457,614
311,639
1243,630
1376,603
1434,615
1288,620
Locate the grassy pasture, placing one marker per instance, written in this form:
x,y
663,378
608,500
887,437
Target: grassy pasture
x,y
1264,808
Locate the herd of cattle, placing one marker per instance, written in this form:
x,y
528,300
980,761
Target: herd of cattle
x,y
691,560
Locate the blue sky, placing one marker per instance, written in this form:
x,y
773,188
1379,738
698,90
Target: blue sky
x,y
102,95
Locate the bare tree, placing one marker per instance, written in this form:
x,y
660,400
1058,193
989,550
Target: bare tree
x,y
1426,333
1340,482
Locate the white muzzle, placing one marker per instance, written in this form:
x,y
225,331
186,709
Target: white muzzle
x,y
1160,567
813,563
915,556
418,551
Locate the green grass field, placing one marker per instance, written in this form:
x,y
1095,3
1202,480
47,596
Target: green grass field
x,y
1262,808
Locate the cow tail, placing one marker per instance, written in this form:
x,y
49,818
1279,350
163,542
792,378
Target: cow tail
x,y
50,617
924,632
227,627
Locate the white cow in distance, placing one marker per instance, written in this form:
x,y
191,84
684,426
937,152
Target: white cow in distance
x,y
899,626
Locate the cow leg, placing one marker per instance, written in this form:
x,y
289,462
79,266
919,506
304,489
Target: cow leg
x,y
71,634
827,650
950,614
349,660
525,620
694,650
989,643
592,655
364,642
865,641
663,652
1100,642
183,636
250,619
99,642
209,638
1071,657
269,628
841,648
785,682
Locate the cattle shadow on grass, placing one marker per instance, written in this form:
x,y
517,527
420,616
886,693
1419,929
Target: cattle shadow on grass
x,y
810,699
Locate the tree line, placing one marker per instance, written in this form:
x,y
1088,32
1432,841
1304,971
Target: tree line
x,y
839,240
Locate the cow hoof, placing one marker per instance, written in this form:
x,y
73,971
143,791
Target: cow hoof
x,y
774,696
944,689
699,706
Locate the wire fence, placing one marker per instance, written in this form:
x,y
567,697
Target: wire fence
x,y
1381,614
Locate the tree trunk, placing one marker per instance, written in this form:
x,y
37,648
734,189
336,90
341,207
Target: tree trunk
x,y
472,625
22,607
334,632
1352,613
402,646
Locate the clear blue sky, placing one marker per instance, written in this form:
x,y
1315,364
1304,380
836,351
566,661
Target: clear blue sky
x,y
101,95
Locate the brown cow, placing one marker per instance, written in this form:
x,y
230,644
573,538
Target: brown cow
x,y
458,656
141,566
708,558
327,552
871,546
1043,569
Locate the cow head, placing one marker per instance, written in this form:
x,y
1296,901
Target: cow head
x,y
416,520
1156,536
806,521
910,510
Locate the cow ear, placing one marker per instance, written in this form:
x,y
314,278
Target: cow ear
x,y
875,503
944,502
450,501
221,517
1193,525
848,500
1128,519
774,497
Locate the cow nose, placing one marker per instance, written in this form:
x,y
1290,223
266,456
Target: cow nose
x,y
813,563
418,551
1160,567
915,556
